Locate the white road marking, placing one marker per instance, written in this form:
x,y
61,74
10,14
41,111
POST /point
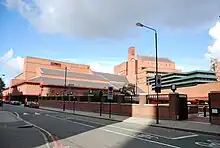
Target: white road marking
x,y
45,139
198,122
131,130
147,136
155,142
184,137
209,143
38,128
36,113
118,133
71,121
25,114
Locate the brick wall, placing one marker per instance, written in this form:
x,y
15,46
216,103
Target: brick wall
x,y
215,104
121,69
199,92
141,110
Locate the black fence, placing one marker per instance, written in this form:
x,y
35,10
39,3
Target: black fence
x,y
123,99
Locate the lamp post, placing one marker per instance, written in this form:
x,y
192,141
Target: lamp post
x,y
155,38
64,92
135,72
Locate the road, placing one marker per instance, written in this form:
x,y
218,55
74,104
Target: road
x,y
62,130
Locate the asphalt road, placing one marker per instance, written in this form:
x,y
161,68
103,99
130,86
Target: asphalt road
x,y
72,131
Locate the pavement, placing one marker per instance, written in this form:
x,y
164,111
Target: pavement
x,y
189,125
65,130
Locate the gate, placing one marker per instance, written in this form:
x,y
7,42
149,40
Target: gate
x,y
182,107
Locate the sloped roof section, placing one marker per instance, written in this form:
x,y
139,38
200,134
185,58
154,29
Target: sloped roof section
x,y
160,59
77,83
116,81
112,77
71,74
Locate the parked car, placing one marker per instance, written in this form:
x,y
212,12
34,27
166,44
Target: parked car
x,y
7,102
34,105
15,102
27,104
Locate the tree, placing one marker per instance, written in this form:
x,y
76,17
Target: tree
x,y
128,89
2,84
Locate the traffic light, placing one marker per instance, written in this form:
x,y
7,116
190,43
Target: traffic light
x,y
158,83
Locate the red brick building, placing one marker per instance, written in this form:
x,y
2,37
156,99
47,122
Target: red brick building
x,y
138,68
43,77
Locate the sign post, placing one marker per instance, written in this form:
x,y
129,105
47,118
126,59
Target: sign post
x,y
110,98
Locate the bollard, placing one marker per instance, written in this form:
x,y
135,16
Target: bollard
x,y
204,110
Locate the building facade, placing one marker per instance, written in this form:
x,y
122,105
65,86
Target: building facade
x,y
43,77
138,68
184,79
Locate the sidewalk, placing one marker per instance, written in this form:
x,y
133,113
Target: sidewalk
x,y
190,126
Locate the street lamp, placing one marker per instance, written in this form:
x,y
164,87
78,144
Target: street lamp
x,y
135,71
155,35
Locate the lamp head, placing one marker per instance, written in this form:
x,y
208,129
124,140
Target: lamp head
x,y
139,24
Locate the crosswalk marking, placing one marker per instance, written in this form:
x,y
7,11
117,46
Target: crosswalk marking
x,y
36,113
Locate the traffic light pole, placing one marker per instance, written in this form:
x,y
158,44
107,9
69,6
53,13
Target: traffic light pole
x,y
100,96
110,108
157,112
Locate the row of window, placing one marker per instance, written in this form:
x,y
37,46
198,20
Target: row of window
x,y
160,64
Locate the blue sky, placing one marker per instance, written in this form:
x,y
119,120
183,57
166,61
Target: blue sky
x,y
22,35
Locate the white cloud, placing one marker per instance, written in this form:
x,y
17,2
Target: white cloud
x,y
11,65
214,49
103,66
187,64
113,18
8,55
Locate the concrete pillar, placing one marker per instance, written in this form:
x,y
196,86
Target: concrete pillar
x,y
173,106
214,105
142,99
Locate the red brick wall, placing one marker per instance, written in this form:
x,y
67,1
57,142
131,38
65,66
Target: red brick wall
x,y
120,109
215,103
121,69
199,91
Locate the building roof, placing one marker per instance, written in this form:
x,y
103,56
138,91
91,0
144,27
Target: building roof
x,y
117,81
71,74
77,83
112,77
151,58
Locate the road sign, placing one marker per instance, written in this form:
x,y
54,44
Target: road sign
x,y
110,93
